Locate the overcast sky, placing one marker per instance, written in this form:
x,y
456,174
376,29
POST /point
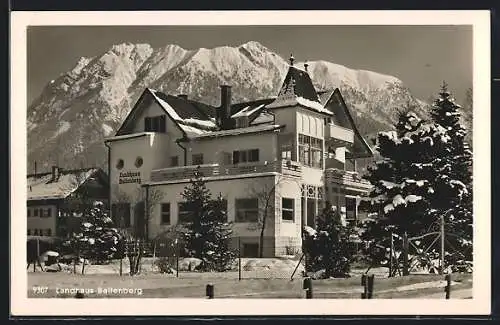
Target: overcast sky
x,y
421,56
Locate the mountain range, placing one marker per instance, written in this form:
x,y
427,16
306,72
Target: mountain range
x,y
68,121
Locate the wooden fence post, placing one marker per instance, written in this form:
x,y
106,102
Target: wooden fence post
x,y
307,286
239,259
364,284
210,291
447,288
370,281
406,270
390,256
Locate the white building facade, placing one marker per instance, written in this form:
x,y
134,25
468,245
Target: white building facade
x,y
275,161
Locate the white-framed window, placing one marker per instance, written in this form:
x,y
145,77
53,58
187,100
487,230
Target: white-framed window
x,y
197,159
183,212
243,156
174,161
247,210
155,124
165,213
287,209
310,151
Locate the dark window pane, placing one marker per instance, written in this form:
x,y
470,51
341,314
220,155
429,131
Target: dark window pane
x,y
163,126
253,155
165,213
197,159
236,157
174,161
287,209
147,124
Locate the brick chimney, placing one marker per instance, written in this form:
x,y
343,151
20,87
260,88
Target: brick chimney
x,y
224,112
55,173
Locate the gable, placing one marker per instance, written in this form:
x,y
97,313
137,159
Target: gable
x,y
342,117
148,105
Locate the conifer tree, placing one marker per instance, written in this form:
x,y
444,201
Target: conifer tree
x,y
97,238
217,254
456,171
208,233
327,248
404,179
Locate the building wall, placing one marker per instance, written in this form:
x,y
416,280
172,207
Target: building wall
x,y
43,223
288,234
164,144
276,232
213,149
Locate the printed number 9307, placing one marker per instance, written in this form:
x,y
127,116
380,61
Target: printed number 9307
x,y
40,290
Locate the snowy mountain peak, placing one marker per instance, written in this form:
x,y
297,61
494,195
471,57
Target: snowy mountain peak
x,y
97,94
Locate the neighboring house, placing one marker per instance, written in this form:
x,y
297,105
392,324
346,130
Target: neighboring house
x,y
48,193
299,147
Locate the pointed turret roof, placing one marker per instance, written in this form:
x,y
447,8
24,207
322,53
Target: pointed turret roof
x,y
298,89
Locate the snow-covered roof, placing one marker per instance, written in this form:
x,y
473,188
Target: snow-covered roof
x,y
44,187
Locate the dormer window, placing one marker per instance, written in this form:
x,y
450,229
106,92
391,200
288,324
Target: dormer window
x,y
155,124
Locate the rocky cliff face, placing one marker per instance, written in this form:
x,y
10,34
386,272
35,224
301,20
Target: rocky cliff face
x,y
68,121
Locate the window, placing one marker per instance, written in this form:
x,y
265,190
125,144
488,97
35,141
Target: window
x,y
29,213
48,232
35,212
243,156
121,214
310,151
253,155
197,159
165,213
286,152
120,163
35,233
250,250
184,214
174,161
287,209
138,162
45,213
247,210
29,232
155,124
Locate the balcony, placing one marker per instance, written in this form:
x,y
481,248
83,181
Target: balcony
x,y
338,133
285,167
347,178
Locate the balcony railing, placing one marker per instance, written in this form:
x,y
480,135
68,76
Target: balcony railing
x,y
336,132
284,167
346,177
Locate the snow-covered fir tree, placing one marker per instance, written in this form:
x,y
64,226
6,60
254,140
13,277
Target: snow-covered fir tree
x,y
207,231
455,163
217,254
97,239
327,247
403,179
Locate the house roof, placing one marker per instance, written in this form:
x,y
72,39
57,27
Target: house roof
x,y
42,186
337,105
198,121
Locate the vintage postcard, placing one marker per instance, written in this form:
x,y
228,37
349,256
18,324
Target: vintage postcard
x,y
335,161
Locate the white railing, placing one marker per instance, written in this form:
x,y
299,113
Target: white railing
x,y
337,132
211,170
346,177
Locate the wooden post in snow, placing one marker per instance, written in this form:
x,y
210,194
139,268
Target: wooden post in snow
x,y
406,270
441,268
391,270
